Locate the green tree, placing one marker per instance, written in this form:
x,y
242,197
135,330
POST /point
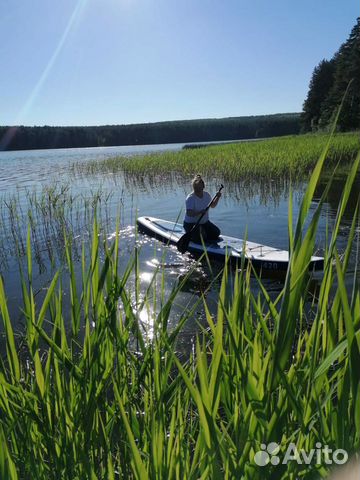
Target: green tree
x,y
321,82
347,73
329,82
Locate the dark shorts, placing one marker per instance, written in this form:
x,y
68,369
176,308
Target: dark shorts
x,y
208,231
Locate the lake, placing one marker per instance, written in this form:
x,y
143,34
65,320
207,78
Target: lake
x,y
30,181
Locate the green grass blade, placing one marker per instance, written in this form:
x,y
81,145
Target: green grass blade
x,y
10,342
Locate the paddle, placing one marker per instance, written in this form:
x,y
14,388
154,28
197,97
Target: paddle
x,y
184,241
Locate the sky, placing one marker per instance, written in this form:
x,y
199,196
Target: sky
x,y
106,62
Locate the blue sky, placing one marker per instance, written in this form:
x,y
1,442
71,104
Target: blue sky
x,y
97,62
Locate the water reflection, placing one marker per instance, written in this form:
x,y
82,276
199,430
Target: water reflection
x,y
335,193
264,191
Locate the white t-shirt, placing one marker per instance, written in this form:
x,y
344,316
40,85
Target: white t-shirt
x,y
193,202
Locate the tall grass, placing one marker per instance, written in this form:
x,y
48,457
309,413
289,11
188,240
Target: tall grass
x,y
88,404
292,156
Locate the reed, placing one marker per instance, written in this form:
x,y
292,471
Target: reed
x,y
292,156
100,400
53,214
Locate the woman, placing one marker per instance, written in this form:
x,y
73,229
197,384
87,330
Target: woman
x,y
196,203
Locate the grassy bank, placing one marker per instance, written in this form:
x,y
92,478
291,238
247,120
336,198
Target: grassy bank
x,y
286,156
98,401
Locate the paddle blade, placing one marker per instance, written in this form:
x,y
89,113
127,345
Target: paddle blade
x,y
183,242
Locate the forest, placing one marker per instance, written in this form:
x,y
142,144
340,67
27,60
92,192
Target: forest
x,y
206,130
330,80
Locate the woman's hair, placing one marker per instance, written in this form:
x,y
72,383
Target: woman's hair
x,y
196,180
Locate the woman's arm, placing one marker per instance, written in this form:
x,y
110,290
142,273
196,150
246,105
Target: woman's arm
x,y
194,213
216,201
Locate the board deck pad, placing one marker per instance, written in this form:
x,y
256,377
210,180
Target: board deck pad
x,y
261,256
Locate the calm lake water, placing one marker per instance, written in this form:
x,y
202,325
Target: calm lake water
x,y
26,177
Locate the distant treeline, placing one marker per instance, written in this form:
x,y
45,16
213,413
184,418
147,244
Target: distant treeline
x,y
328,85
234,128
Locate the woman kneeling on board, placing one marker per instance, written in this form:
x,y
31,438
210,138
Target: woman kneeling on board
x,y
196,203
